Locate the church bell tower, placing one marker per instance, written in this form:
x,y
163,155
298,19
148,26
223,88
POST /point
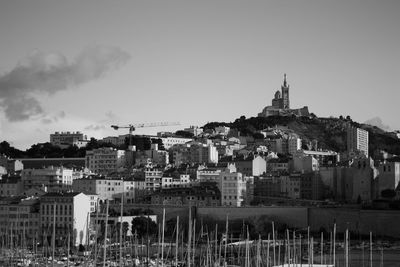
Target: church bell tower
x,y
285,93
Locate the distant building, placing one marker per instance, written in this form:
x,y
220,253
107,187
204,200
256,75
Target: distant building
x,y
51,178
11,186
66,139
20,215
389,176
105,160
233,189
153,179
281,104
325,158
39,163
195,130
359,178
206,194
212,174
11,166
169,141
194,152
357,140
156,156
72,217
252,167
291,186
173,182
266,186
294,144
304,163
110,189
222,130
277,165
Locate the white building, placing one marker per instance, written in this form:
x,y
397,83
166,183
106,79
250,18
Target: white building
x,y
66,139
153,179
294,144
233,188
72,216
171,182
357,140
52,178
105,160
252,167
111,189
195,130
169,141
222,130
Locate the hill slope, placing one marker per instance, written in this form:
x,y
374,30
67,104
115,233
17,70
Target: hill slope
x,y
329,132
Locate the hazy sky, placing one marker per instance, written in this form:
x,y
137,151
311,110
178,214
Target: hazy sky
x,y
84,65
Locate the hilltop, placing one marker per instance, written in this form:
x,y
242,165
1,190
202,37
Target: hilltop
x,y
329,132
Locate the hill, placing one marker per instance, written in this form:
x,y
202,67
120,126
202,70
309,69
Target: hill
x,y
329,132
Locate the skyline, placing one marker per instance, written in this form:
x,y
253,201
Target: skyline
x,y
83,66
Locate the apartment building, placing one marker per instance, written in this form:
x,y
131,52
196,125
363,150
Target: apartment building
x,y
110,189
20,216
51,178
66,139
357,140
69,212
105,160
233,189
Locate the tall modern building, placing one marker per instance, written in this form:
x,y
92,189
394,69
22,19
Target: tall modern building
x,y
357,140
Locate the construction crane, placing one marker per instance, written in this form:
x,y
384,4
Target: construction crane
x,y
132,127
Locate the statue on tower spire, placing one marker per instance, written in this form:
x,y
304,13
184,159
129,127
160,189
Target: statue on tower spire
x,y
284,80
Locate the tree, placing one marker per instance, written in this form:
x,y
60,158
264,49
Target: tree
x,y
184,134
258,136
388,193
144,226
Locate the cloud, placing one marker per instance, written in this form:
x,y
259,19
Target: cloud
x,y
53,119
49,73
110,118
93,127
376,121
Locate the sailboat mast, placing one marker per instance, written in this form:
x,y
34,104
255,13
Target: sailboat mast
x,y
105,237
370,248
68,248
194,241
226,238
95,241
54,235
162,240
189,237
177,241
273,242
120,224
334,244
322,248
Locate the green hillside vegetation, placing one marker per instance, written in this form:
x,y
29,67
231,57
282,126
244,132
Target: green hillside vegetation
x,y
329,132
47,150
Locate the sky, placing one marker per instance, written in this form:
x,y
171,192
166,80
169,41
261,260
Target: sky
x,y
85,65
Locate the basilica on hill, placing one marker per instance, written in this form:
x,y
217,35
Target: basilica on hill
x,y
281,104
